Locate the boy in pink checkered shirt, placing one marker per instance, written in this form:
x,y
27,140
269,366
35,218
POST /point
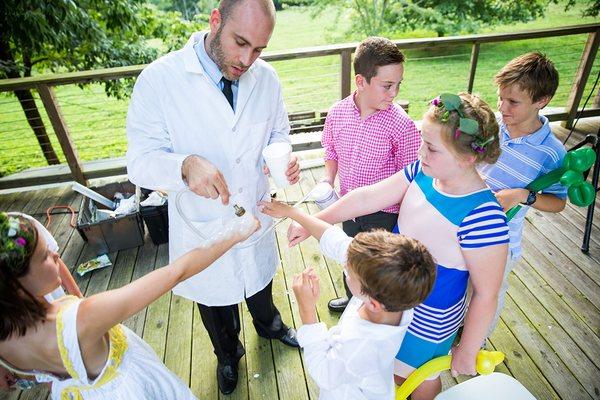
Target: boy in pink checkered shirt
x,y
367,137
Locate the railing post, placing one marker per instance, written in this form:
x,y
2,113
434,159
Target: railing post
x,y
581,77
346,72
474,58
62,131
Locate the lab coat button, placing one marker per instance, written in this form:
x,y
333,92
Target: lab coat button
x,y
237,160
240,190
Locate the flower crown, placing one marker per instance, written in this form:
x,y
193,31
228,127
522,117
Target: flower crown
x,y
451,102
15,236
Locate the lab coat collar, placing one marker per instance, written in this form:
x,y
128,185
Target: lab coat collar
x,y
246,82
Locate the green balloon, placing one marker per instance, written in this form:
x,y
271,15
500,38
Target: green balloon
x,y
582,195
571,177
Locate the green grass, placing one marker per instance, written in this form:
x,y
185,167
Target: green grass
x,y
97,123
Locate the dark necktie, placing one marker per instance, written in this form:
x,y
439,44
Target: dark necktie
x,y
227,90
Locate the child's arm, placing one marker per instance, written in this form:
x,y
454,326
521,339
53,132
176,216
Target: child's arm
x,y
331,167
306,288
313,225
486,268
67,279
508,198
361,201
101,312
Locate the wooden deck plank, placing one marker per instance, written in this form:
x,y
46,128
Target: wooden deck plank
x,y
178,349
288,361
570,294
542,317
554,369
557,307
520,364
157,313
258,362
574,233
584,261
6,201
565,265
144,264
578,219
204,362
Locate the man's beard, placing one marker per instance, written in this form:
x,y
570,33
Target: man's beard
x,y
218,56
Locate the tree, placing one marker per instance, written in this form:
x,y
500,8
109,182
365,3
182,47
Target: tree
x,y
376,17
592,9
75,35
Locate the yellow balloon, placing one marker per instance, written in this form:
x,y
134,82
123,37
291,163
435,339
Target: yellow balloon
x,y
485,364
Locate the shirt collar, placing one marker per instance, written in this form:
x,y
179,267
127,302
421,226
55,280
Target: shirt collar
x,y
534,138
210,67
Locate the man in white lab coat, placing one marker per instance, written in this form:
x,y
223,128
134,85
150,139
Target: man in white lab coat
x,y
198,119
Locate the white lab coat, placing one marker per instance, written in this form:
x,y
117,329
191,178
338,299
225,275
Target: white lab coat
x,y
175,111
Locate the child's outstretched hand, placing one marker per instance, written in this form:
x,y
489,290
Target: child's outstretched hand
x,y
245,226
307,290
275,209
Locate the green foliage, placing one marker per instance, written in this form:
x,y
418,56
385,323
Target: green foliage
x,y
188,9
68,35
592,7
379,17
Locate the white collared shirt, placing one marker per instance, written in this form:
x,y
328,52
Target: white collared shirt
x,y
354,359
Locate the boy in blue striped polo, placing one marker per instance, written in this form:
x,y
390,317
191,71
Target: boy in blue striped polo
x,y
528,148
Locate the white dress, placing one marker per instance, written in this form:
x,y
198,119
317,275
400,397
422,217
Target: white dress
x,y
132,370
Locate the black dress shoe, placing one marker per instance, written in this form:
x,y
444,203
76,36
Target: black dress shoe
x,y
227,377
289,339
338,305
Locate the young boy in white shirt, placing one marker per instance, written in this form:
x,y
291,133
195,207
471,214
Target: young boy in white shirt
x,y
388,275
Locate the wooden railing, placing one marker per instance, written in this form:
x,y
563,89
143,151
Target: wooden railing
x,y
45,84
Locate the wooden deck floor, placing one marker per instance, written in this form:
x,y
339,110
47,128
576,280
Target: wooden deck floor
x,y
549,329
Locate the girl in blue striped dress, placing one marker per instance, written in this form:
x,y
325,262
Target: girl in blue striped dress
x,y
446,205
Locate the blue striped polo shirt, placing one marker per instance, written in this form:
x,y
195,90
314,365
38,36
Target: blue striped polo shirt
x,y
521,161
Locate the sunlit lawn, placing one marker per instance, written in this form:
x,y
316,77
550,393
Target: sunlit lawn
x,y
97,122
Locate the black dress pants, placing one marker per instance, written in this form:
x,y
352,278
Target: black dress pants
x,y
223,324
378,220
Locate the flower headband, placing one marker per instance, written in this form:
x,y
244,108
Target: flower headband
x,y
16,240
451,102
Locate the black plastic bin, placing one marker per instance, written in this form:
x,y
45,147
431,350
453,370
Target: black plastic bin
x,y
156,219
114,234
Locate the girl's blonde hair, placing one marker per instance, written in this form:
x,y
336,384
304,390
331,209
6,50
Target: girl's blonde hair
x,y
462,144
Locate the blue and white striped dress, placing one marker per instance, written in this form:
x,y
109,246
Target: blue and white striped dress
x,y
447,225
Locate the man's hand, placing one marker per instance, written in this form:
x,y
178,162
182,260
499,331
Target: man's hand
x,y
307,290
7,379
293,170
508,198
296,233
204,179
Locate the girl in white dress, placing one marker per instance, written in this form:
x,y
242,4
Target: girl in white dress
x,y
79,344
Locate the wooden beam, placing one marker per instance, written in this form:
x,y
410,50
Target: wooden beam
x,y
308,52
346,73
474,58
62,132
581,76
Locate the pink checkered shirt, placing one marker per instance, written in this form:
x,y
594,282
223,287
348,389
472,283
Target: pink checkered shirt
x,y
371,150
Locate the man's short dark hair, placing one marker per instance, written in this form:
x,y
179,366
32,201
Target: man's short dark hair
x,y
374,52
